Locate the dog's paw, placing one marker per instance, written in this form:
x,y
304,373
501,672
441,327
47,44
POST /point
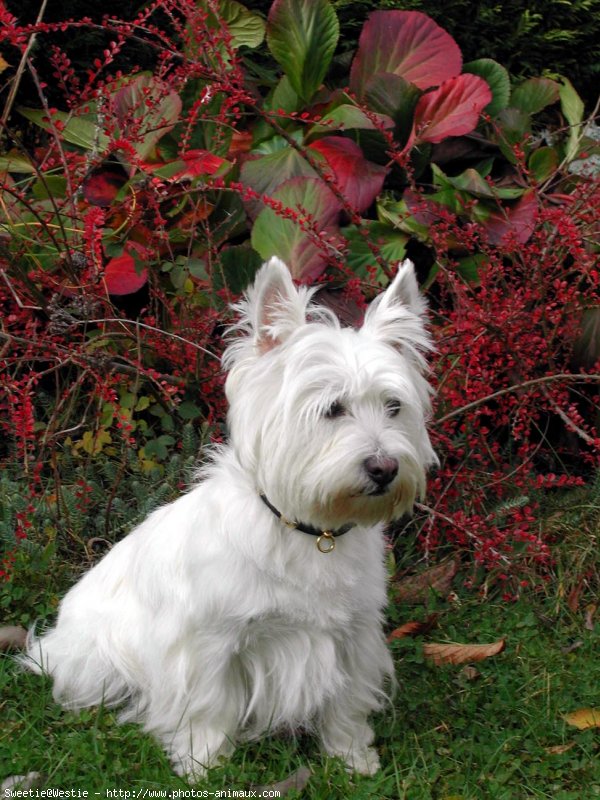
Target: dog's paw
x,y
365,762
190,769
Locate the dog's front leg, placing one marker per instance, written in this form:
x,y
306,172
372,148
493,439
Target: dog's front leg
x,y
343,725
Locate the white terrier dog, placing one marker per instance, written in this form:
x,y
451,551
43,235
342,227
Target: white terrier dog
x,y
254,601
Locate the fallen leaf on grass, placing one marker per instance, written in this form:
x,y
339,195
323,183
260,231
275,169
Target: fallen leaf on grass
x,y
12,637
418,588
453,653
413,628
571,647
295,782
558,749
589,617
583,718
469,673
21,782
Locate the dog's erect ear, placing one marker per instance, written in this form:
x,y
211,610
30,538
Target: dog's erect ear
x,y
402,291
397,315
277,306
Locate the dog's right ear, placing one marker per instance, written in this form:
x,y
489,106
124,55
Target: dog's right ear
x,y
276,307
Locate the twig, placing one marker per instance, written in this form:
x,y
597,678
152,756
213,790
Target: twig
x,y
21,69
560,376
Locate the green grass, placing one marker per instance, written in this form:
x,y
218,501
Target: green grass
x,y
446,737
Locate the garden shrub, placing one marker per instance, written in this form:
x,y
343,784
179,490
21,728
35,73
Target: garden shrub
x,y
150,199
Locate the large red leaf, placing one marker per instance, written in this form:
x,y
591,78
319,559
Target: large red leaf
x,y
516,221
121,276
452,109
407,43
359,180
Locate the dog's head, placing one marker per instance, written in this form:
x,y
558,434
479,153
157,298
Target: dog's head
x,y
331,421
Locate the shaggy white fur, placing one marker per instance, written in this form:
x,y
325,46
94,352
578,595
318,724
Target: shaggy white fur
x,y
214,621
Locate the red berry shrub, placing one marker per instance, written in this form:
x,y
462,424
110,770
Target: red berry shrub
x,y
135,212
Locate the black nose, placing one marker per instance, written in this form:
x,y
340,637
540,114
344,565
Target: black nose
x,y
381,469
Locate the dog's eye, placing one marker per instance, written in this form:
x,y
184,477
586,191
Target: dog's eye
x,y
393,408
336,409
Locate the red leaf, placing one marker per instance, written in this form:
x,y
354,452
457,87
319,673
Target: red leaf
x,y
199,162
121,275
359,180
407,43
452,109
517,221
101,186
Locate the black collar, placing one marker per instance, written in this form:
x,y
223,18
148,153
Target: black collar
x,y
325,539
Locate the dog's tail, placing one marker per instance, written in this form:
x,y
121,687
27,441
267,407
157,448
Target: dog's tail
x,y
82,677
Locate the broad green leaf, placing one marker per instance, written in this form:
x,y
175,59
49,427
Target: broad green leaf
x,y
534,95
573,108
302,36
543,162
239,265
266,173
15,162
397,214
471,181
497,79
390,241
348,117
283,97
142,123
245,27
468,267
188,410
390,94
285,233
81,131
52,186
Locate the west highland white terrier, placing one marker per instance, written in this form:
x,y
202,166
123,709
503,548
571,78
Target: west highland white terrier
x,y
254,602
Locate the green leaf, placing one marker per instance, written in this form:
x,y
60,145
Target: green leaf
x,y
497,79
390,94
534,95
188,410
390,241
239,265
15,162
573,108
281,234
348,117
468,267
245,27
80,131
543,162
302,36
266,173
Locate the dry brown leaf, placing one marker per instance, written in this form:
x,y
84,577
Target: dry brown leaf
x,y
12,637
589,617
453,653
469,673
418,588
414,628
295,782
558,749
573,598
583,718
3,64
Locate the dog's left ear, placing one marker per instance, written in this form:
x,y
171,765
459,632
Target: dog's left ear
x,y
397,315
277,306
